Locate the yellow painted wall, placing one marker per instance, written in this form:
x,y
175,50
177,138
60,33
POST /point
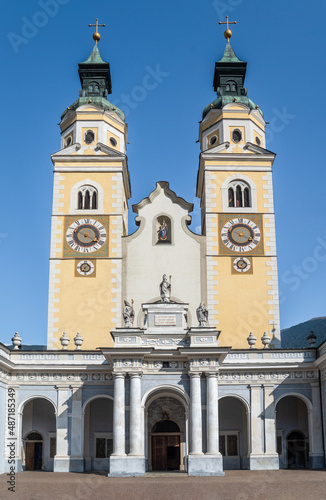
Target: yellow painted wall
x,y
221,176
242,303
85,304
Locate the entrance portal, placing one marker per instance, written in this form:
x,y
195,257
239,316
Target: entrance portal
x,y
166,446
296,450
34,451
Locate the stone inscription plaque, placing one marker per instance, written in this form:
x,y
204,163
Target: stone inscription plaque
x,y
165,320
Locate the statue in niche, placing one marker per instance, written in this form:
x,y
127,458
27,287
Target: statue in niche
x,y
165,289
128,314
202,314
163,231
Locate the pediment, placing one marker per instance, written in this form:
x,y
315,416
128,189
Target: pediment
x,y
77,149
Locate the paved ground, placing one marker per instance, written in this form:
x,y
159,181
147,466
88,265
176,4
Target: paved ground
x,y
236,485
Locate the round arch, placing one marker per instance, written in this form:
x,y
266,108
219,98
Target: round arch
x,y
92,398
30,398
241,398
73,197
165,390
225,197
296,395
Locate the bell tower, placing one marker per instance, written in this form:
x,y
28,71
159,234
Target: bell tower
x,y
90,212
237,213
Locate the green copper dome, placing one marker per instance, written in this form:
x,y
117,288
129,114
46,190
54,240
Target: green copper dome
x,y
229,77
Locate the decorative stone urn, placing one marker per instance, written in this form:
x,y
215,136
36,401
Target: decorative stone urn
x,y
64,341
16,341
266,340
251,340
78,341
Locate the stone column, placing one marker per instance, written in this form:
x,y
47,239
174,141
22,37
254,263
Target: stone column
x,y
136,430
263,429
212,415
77,431
196,443
270,420
316,434
119,435
61,459
256,420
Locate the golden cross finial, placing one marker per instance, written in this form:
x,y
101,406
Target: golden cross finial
x,y
227,32
96,35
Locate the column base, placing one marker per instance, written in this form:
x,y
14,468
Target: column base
x,y
205,465
61,463
316,461
127,466
264,462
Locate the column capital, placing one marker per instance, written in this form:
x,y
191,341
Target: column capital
x,y
119,374
195,374
135,374
211,374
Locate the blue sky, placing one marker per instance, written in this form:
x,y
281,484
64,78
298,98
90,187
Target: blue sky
x,y
42,43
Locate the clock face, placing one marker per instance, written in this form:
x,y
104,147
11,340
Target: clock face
x,y
85,267
86,235
240,234
241,265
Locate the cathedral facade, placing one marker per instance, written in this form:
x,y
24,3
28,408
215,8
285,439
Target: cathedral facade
x,y
154,359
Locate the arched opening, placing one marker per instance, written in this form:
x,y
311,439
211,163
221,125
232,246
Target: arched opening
x,y
231,197
39,435
292,433
239,196
166,434
98,434
87,198
233,433
163,230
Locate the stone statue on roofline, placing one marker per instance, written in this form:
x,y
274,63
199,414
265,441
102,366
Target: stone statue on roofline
x,y
128,314
202,314
165,289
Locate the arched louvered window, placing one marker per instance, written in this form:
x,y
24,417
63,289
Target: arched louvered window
x,y
231,197
239,194
94,200
87,198
80,200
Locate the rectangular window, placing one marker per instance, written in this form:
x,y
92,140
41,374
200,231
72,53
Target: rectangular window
x,y
53,445
100,448
104,447
229,444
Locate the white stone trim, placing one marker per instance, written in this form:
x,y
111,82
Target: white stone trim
x,y
273,301
53,309
57,193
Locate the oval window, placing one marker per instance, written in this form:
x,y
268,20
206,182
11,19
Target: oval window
x,y
89,136
212,140
113,142
236,136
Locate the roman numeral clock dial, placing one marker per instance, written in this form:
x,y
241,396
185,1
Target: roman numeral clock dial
x,y
241,235
86,235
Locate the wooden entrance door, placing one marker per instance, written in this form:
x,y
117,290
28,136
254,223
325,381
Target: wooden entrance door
x,y
166,452
33,460
296,450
